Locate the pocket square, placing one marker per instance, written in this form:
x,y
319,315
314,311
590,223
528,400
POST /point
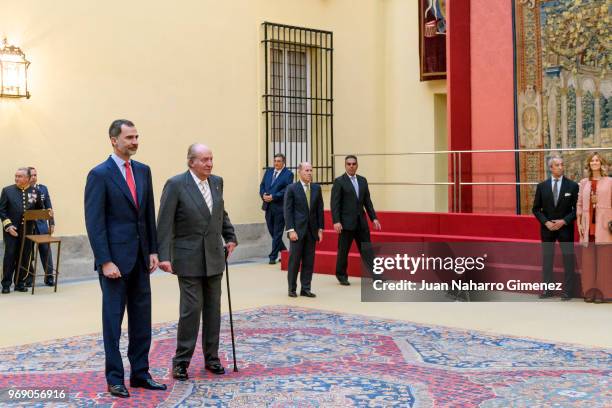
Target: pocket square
x,y
568,194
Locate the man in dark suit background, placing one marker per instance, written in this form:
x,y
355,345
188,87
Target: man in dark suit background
x,y
192,225
304,218
44,227
554,206
272,192
120,221
14,201
349,196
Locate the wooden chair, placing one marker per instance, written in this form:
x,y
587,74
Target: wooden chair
x,y
37,240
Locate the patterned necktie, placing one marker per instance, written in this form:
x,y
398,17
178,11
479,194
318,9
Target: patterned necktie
x,y
556,191
205,189
308,194
129,177
274,176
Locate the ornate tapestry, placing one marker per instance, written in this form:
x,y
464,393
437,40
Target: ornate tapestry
x,y
563,84
432,39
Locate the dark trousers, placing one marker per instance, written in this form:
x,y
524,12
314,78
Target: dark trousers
x,y
345,239
275,220
565,236
134,291
200,297
12,246
301,252
46,257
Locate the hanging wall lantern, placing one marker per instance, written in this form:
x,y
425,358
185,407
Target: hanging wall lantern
x,y
13,72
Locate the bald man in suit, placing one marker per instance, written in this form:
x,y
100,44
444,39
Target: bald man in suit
x,y
193,228
304,218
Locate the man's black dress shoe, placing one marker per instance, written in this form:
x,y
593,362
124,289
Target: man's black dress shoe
x,y
545,294
118,390
6,290
565,297
49,282
292,293
21,289
179,372
272,261
215,368
307,293
148,383
344,282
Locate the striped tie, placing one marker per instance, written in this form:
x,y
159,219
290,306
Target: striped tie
x,y
205,189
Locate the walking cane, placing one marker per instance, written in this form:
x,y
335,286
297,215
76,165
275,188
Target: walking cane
x,y
229,301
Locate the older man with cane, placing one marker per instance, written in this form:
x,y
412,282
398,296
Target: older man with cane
x,y
192,226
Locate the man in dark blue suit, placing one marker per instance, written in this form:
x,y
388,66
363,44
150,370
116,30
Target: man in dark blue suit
x,y
304,215
120,221
272,192
43,227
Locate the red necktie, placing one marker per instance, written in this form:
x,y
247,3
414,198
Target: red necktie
x,y
130,181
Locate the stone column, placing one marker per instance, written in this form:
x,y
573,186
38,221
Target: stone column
x,y
551,108
563,91
579,129
597,132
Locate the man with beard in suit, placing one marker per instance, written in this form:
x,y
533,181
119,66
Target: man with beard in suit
x,y
120,221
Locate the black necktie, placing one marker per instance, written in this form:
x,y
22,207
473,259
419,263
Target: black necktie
x,y
556,191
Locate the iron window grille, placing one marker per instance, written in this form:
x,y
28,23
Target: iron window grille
x,y
298,97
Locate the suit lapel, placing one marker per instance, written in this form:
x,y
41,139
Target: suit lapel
x,y
139,178
214,193
302,193
196,195
268,180
313,195
549,191
361,185
562,189
119,180
352,187
272,181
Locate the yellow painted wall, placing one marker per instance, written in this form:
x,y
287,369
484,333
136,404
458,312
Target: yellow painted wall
x,y
409,118
192,71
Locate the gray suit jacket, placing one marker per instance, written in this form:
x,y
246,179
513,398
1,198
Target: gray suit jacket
x,y
188,234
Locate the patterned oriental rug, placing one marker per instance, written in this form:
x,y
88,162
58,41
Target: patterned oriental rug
x,y
296,357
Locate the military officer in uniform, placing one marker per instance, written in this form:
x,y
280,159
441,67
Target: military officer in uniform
x,y
14,201
43,227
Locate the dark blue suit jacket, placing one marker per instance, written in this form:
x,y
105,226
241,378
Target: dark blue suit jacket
x,y
118,230
42,227
277,189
